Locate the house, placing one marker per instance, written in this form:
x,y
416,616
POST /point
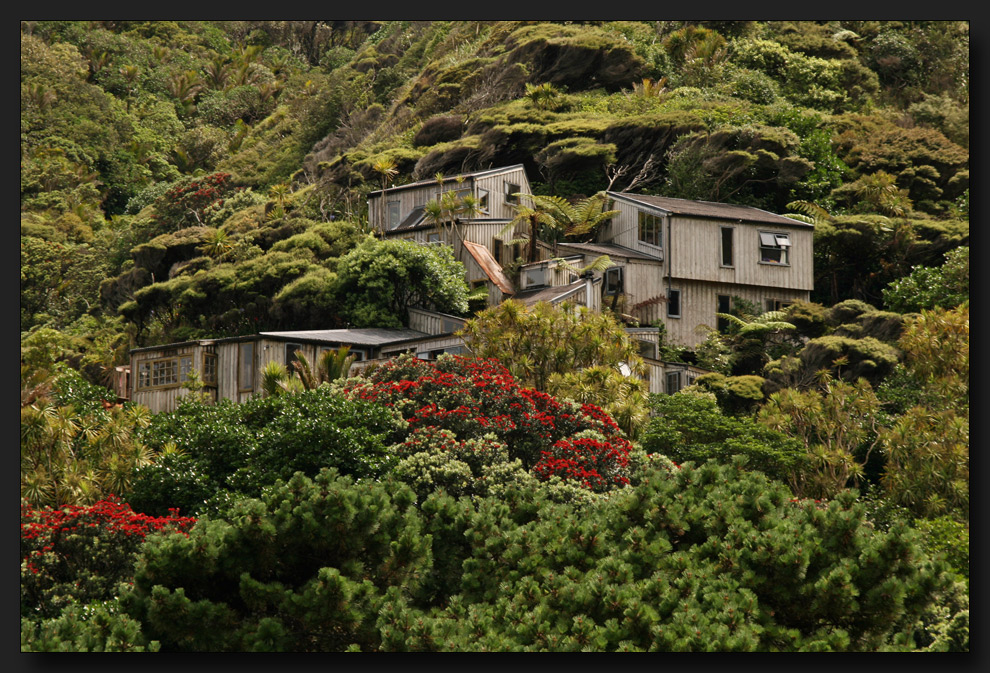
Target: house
x,y
479,240
230,368
679,262
674,262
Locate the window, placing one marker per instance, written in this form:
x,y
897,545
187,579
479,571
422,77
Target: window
x,y
649,229
358,355
185,367
432,238
674,304
774,248
497,250
724,306
613,281
510,193
647,349
483,200
164,372
673,382
727,246
290,353
245,366
210,368
393,214
776,304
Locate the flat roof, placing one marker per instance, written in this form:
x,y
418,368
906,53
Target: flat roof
x,y
367,336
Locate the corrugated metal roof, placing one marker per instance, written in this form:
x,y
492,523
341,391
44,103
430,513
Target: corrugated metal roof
x,y
608,249
721,211
367,336
492,269
447,179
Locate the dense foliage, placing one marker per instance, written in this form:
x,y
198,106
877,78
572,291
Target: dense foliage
x,y
186,179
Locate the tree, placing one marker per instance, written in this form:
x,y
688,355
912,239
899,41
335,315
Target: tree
x,y
693,559
927,448
386,168
536,342
445,211
838,427
928,287
378,281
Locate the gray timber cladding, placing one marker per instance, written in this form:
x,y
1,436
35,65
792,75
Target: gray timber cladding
x,y
399,208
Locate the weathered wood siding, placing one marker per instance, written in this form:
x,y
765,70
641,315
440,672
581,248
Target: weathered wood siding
x,y
623,229
695,252
498,206
411,197
165,398
699,304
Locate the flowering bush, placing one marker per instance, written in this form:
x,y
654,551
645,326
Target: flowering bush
x,y
473,398
80,554
596,464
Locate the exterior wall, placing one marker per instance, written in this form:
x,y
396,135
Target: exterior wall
x,y
699,304
623,229
165,397
409,198
431,322
498,207
695,252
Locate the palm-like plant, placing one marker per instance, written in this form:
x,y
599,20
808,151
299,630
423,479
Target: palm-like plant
x,y
386,168
449,208
560,218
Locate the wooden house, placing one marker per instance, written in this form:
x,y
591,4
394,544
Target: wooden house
x,y
230,368
679,262
479,241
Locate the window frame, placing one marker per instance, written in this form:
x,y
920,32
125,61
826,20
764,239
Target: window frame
x,y
393,207
613,282
722,325
671,302
210,370
250,375
782,245
731,247
161,373
289,357
655,223
511,189
483,200
666,383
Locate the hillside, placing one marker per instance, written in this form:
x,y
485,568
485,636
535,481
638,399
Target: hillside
x,y
166,164
553,483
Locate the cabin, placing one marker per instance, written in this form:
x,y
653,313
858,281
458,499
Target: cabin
x,y
230,368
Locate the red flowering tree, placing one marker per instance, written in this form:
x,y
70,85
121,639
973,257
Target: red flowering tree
x,y
80,554
184,203
476,397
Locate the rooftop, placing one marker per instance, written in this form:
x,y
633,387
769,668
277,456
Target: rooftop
x,y
710,209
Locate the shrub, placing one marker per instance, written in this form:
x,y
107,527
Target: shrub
x,y
473,398
78,554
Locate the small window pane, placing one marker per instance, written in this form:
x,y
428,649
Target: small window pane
x,y
768,240
726,246
783,240
185,367
674,304
245,369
